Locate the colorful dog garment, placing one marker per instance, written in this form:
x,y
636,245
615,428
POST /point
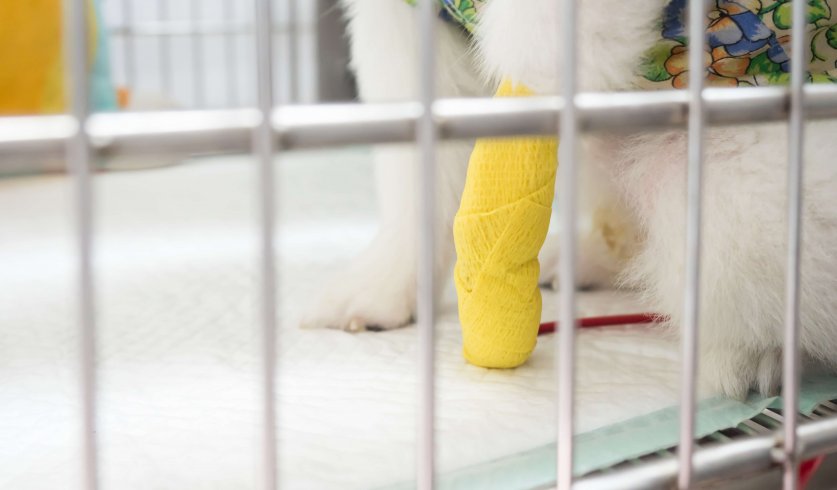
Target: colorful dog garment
x,y
749,44
462,12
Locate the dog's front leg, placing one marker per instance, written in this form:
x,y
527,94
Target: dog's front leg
x,y
377,288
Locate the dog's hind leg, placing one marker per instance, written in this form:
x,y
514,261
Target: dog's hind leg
x,y
608,235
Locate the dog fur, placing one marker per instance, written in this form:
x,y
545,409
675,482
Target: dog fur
x,y
632,197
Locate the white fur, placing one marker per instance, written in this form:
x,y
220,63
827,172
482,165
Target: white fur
x,y
745,232
638,181
519,41
378,288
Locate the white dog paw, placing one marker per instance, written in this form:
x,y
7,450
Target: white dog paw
x,y
727,371
373,297
769,372
549,258
590,273
735,372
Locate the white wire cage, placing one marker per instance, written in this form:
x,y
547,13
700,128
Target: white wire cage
x,y
267,124
198,54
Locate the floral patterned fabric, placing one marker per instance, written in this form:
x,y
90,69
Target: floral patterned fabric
x,y
462,12
749,44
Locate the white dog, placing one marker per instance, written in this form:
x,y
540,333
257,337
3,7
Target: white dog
x,y
632,187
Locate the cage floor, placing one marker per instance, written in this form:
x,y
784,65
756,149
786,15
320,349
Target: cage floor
x,y
177,287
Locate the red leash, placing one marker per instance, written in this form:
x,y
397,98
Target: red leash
x,y
606,321
807,470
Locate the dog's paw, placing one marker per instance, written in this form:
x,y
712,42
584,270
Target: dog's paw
x,y
726,371
769,372
715,383
590,274
734,372
367,296
548,258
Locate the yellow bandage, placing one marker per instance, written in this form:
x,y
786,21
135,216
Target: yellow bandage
x,y
500,228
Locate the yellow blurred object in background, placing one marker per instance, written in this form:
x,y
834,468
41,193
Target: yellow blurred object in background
x,y
31,56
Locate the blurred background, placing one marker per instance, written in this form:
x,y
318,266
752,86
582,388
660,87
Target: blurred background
x,y
198,53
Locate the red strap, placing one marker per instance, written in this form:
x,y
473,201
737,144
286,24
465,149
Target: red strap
x,y
807,470
606,321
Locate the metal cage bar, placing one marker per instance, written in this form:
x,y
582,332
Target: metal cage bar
x,y
128,46
78,155
694,186
739,457
791,368
568,161
329,125
230,59
426,263
198,50
292,33
164,49
264,147
269,127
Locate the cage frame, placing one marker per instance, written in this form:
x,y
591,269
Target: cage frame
x,y
270,129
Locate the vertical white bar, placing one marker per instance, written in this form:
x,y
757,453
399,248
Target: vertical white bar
x,y
195,17
426,312
264,144
78,160
293,51
790,371
229,53
567,178
689,335
307,82
129,48
164,16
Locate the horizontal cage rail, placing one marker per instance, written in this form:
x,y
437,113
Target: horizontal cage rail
x,y
193,28
328,125
727,460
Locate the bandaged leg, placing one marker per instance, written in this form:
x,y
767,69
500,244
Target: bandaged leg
x,y
500,228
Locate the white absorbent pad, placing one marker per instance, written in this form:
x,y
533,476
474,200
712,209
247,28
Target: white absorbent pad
x,y
179,386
